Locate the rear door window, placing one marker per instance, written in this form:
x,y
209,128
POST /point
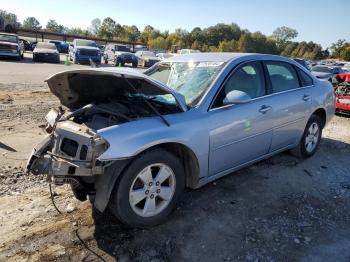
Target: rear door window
x,y
282,75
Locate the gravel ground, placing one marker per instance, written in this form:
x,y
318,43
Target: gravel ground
x,y
281,209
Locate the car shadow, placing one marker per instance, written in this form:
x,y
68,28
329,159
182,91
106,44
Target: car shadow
x,y
212,221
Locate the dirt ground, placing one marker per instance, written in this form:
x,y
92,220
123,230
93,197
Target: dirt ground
x,y
281,209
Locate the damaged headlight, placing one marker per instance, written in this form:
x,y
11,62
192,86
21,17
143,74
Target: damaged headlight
x,y
51,117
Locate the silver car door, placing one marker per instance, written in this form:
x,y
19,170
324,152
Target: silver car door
x,y
291,100
241,132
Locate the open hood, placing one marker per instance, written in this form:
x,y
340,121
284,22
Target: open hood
x,y
77,88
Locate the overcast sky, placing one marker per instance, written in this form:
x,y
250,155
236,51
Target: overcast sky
x,y
323,21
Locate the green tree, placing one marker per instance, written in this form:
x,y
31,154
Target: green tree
x,y
284,34
345,54
53,26
246,43
11,21
228,46
337,47
107,29
75,31
159,42
95,26
221,32
131,33
31,23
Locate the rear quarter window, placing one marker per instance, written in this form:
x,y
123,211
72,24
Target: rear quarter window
x,y
305,79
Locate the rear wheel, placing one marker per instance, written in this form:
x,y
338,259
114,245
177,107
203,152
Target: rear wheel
x,y
311,138
149,189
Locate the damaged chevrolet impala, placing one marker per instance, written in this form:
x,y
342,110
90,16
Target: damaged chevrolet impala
x,y
133,142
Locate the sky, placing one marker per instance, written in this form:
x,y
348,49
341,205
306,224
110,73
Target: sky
x,y
322,21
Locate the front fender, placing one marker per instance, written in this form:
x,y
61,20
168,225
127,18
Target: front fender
x,y
130,139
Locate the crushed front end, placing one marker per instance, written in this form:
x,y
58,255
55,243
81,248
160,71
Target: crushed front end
x,y
69,152
342,93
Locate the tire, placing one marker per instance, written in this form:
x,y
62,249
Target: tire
x,y
106,60
134,65
137,214
303,149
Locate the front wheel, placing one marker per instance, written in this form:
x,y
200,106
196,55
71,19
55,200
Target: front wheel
x,y
149,189
311,138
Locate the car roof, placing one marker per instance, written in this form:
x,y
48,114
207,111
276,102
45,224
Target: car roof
x,y
220,57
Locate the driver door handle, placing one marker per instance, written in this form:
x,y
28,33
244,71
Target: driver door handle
x,y
306,98
264,109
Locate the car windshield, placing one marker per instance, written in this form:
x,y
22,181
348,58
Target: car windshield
x,y
322,69
191,79
8,38
122,48
86,43
46,45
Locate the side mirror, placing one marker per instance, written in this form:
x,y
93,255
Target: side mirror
x,y
236,97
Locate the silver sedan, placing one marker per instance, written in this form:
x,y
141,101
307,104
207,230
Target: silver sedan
x,y
132,142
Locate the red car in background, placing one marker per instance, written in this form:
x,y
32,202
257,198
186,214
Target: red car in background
x,y
342,93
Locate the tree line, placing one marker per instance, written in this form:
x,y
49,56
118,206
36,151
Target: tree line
x,y
218,38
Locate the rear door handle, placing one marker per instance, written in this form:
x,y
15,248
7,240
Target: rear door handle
x,y
306,97
264,109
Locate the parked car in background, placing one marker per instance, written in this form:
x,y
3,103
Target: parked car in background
x,y
188,51
119,55
163,56
46,52
342,93
346,68
81,51
303,62
146,58
134,141
102,48
326,72
61,46
11,46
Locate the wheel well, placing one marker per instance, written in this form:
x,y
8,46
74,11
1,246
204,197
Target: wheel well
x,y
188,159
321,113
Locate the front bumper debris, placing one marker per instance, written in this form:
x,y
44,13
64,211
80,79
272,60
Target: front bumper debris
x,y
69,153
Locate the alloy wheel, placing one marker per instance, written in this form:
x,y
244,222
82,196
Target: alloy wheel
x,y
152,190
312,137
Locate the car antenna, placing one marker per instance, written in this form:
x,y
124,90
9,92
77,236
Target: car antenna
x,y
146,101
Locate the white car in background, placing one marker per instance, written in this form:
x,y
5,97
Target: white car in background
x,y
188,51
163,56
346,68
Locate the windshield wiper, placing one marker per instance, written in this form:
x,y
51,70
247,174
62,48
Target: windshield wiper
x,y
146,101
